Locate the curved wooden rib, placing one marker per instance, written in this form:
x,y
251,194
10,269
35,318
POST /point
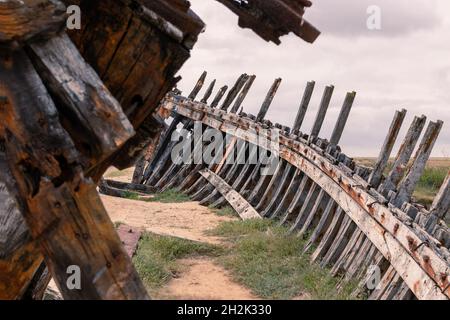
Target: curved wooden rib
x,y
363,218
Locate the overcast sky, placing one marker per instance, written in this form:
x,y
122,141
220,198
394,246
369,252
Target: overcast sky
x,y
406,64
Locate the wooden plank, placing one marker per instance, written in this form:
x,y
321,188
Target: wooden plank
x,y
66,214
382,161
415,170
242,207
198,86
321,113
403,155
240,99
441,203
303,107
272,187
419,266
209,92
23,20
268,100
281,190
233,93
342,119
20,257
88,111
272,19
288,196
219,96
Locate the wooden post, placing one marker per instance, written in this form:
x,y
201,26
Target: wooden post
x,y
20,257
219,96
377,173
243,94
64,211
441,203
403,155
415,170
303,107
89,112
342,119
209,92
198,86
323,108
268,100
232,94
24,20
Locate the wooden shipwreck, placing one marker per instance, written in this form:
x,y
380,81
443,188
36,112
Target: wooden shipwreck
x,y
357,220
74,103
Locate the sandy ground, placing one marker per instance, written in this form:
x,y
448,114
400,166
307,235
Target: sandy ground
x,y
204,280
201,279
186,220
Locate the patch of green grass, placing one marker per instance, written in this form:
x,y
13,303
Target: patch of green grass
x,y
170,196
269,261
156,257
432,178
225,211
233,230
429,184
131,195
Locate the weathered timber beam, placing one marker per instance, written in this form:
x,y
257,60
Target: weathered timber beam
x,y
219,96
174,18
403,155
303,107
130,186
124,46
198,86
23,20
342,119
383,158
268,100
321,113
384,229
242,207
88,111
209,92
243,94
64,212
20,257
232,94
441,203
273,19
418,164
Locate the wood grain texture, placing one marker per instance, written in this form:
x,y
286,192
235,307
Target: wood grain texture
x,y
136,59
23,20
87,110
64,212
20,257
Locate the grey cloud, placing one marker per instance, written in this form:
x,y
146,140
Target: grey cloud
x,y
411,71
349,17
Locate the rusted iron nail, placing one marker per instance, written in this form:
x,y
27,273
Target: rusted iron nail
x,y
421,244
371,203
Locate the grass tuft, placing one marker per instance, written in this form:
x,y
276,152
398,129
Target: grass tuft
x,y
226,211
429,184
170,196
156,257
131,195
270,262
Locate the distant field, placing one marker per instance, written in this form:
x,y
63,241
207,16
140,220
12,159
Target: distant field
x,y
433,162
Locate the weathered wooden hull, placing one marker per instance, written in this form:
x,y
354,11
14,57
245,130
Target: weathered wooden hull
x,y
320,193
